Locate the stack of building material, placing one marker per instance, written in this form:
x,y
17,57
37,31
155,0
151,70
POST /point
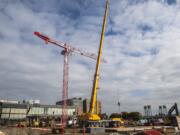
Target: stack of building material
x,y
169,130
1,133
178,121
152,132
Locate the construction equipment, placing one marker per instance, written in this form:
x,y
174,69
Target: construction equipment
x,y
173,108
116,122
172,119
66,52
92,116
57,128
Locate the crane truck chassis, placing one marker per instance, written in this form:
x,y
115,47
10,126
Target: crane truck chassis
x,y
101,123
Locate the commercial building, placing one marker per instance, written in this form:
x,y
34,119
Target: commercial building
x,y
49,110
82,106
75,102
86,104
19,111
12,110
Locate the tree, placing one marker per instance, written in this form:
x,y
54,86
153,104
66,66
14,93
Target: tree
x,y
134,116
115,115
125,115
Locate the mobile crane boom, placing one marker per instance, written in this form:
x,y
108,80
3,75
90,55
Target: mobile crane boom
x,y
97,75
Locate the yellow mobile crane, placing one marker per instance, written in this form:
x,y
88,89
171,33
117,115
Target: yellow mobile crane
x,y
92,118
92,115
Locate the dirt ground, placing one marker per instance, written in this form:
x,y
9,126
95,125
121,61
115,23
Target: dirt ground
x,y
37,131
19,131
46,131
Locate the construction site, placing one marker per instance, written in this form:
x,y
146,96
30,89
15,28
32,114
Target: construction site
x,y
84,116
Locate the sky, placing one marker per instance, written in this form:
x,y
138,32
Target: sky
x,y
142,47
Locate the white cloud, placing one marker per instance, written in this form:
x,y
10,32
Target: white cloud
x,y
143,54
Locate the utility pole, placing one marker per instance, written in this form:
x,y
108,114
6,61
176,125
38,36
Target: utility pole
x,y
119,104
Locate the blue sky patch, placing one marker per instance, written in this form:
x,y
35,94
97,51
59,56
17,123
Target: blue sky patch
x,y
154,51
133,54
85,63
112,32
171,2
135,2
144,28
140,93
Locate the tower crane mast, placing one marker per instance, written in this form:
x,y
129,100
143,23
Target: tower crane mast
x,y
66,52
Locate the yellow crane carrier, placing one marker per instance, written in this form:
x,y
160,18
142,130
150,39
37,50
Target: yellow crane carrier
x,y
92,118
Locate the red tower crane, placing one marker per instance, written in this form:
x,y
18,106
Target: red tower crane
x,y
66,52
